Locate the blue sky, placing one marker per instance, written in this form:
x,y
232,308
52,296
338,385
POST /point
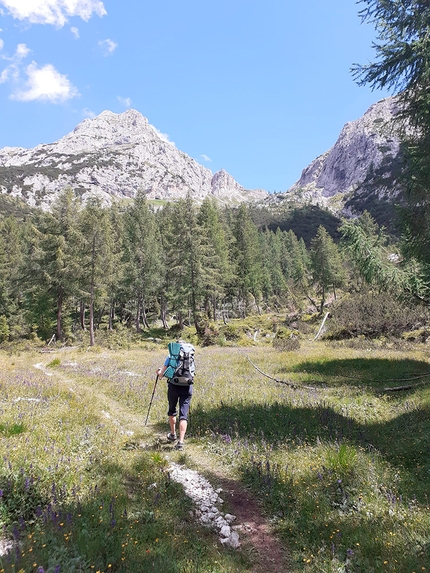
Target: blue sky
x,y
257,88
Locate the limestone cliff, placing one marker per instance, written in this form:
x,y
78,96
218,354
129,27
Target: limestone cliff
x,y
110,156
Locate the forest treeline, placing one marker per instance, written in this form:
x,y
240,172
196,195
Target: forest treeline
x,y
86,266
80,266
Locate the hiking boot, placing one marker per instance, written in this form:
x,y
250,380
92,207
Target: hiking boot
x,y
171,437
179,446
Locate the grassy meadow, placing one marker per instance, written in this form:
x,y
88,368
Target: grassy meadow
x,y
341,468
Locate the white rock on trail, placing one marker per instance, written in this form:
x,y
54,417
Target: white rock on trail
x,y
202,493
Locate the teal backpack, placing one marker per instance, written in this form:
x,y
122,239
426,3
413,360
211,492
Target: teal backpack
x,y
181,369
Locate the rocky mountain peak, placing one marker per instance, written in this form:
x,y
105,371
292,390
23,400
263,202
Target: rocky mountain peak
x,y
366,148
110,156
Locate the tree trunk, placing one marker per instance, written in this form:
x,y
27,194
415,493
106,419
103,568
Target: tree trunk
x,y
92,340
59,315
322,300
163,318
214,306
144,317
137,317
101,313
180,321
111,314
82,314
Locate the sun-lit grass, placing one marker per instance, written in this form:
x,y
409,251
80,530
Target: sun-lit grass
x,y
73,496
341,467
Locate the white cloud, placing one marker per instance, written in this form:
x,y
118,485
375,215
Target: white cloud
x,y
22,51
108,46
75,32
55,12
88,113
12,71
126,101
163,136
45,84
205,157
1,44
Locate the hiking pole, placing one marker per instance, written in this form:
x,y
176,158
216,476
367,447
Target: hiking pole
x,y
152,397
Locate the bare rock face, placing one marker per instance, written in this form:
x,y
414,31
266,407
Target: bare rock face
x,y
113,155
367,150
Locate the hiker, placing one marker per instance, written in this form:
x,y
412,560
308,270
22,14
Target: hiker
x,y
179,370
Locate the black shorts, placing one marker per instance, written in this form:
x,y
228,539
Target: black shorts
x,y
182,394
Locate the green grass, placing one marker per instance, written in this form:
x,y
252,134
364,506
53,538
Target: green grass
x,y
341,469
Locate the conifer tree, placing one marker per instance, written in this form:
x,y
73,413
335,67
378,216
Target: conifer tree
x,y
12,285
53,264
95,256
181,235
142,257
276,250
402,64
115,285
248,258
326,263
299,261
215,239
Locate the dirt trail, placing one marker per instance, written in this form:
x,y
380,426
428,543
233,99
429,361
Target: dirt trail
x,y
256,534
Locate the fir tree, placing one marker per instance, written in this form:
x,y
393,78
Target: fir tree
x,y
142,257
95,257
326,264
248,258
215,240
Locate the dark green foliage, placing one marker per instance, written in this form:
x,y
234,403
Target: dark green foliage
x,y
248,259
12,206
4,329
302,220
368,248
21,496
383,211
402,63
188,265
142,272
328,273
96,258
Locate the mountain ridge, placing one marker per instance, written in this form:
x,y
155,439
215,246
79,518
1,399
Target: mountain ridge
x,y
113,156
365,158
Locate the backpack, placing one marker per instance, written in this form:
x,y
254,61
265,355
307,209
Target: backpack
x,y
181,369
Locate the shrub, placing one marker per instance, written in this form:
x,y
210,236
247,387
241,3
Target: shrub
x,y
210,335
372,315
231,332
286,340
4,329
